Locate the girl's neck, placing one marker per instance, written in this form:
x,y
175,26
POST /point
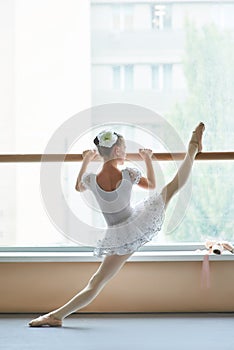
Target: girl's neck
x,y
110,164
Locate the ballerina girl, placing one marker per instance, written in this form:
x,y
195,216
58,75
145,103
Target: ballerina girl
x,y
127,228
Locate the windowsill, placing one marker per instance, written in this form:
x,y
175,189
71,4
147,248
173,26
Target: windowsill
x,y
160,256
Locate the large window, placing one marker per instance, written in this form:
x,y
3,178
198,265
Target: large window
x,y
45,79
175,58
183,70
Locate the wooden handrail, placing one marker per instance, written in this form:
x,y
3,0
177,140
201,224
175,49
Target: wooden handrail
x,y
30,158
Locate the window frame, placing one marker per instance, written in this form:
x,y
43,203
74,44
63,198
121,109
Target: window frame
x,y
166,250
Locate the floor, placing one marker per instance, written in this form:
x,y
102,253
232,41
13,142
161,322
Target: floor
x,y
120,332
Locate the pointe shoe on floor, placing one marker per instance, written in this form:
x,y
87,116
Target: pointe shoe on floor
x,y
45,320
197,136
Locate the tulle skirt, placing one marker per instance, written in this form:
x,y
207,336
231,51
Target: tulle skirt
x,y
139,228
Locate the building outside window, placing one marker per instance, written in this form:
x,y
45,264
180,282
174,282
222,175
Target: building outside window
x,y
161,16
155,77
167,77
168,83
122,16
161,77
123,77
117,77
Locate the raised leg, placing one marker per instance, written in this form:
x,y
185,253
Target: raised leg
x,y
110,266
195,146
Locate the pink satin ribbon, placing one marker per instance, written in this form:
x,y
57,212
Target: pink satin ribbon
x,y
205,276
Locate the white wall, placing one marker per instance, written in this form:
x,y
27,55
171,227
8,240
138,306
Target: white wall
x,y
7,76
52,67
102,77
142,76
7,124
101,17
142,17
178,79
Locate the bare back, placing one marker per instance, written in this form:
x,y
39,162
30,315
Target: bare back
x,y
109,181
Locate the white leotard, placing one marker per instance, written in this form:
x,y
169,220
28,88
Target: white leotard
x,y
128,228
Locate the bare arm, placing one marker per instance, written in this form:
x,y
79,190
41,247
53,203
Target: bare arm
x,y
150,181
87,157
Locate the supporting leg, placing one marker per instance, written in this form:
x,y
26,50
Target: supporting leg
x,y
195,146
110,266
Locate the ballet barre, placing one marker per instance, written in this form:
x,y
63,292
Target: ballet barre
x,y
29,158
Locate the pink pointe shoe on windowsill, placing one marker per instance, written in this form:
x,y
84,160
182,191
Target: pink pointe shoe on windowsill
x,y
45,320
217,247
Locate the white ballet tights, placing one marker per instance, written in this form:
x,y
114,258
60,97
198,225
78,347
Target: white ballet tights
x,y
106,271
182,175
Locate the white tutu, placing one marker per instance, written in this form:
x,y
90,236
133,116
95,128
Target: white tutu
x,y
126,237
128,228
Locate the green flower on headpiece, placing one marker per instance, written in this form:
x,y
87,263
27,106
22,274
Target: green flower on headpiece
x,y
107,138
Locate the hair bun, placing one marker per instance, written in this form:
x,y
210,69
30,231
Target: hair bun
x,y
106,138
96,141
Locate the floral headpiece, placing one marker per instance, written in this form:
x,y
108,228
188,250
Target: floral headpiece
x,y
107,138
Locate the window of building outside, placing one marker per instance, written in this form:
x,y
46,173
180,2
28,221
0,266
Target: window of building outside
x,y
155,77
161,16
116,70
128,76
167,77
123,77
46,80
122,16
161,77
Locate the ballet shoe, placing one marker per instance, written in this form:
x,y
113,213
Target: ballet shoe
x,y
228,246
217,247
45,320
197,136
